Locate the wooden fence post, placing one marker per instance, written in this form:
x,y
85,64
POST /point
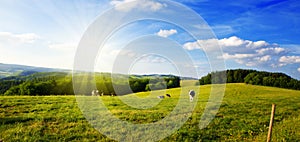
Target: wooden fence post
x,y
271,123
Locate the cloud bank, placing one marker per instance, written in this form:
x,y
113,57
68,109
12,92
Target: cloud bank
x,y
246,52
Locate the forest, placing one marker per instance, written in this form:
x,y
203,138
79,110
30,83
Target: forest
x,y
252,77
60,83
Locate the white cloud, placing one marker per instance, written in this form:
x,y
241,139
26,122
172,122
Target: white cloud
x,y
146,5
251,60
193,45
237,56
166,33
245,52
276,50
232,42
201,44
289,59
238,42
26,38
298,69
259,44
264,58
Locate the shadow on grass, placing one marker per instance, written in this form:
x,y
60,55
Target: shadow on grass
x,y
12,120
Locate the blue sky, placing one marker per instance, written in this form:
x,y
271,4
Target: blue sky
x,y
261,34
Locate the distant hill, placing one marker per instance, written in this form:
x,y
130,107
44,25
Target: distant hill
x,y
60,83
8,70
252,77
188,78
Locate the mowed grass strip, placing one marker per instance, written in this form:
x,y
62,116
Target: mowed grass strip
x,y
243,116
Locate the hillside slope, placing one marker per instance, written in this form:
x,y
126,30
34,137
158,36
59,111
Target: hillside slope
x,y
243,116
7,70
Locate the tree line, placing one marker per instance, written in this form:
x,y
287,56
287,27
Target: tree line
x,y
251,77
61,84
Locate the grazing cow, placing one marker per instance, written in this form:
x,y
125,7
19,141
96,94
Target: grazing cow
x,y
168,95
192,95
161,97
95,93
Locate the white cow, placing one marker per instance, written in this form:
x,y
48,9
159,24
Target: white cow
x,y
95,93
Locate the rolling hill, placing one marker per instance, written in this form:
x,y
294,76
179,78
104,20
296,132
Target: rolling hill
x,y
7,70
17,78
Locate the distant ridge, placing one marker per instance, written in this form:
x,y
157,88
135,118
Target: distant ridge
x,y
14,70
7,70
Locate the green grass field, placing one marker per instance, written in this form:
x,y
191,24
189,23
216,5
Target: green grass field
x,y
185,83
243,116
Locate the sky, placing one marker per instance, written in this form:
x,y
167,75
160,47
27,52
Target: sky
x,y
261,35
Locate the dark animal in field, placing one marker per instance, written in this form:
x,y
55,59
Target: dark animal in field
x,y
192,94
168,95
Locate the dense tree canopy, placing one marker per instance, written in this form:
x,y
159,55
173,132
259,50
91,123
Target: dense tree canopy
x,y
107,84
253,77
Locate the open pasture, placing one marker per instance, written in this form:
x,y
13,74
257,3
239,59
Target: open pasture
x,y
243,116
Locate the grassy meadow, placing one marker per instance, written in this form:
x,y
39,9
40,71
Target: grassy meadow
x,y
243,116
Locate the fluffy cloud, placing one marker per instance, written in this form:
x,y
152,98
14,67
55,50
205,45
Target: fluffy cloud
x,y
140,4
247,59
201,44
166,33
289,59
276,50
264,58
232,42
237,56
27,38
246,52
298,69
238,42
